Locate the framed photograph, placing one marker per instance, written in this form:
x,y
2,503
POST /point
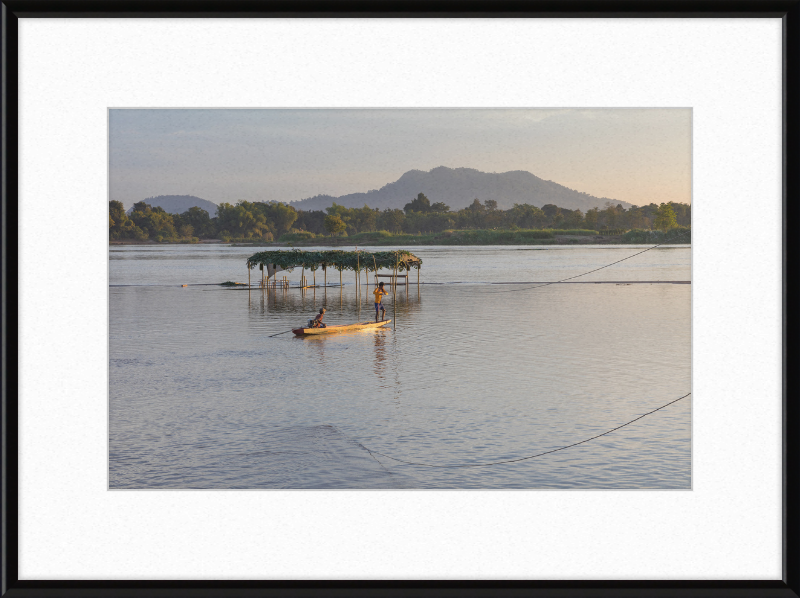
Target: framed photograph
x,y
398,302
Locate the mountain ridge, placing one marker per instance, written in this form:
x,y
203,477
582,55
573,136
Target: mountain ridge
x,y
178,204
458,187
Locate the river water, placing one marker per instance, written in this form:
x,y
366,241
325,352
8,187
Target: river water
x,y
470,372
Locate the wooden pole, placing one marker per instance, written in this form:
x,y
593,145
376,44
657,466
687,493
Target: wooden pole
x,y
394,295
406,289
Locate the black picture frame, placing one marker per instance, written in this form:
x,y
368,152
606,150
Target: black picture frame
x,y
12,10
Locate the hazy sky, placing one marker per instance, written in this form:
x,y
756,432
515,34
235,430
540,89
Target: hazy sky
x,y
638,156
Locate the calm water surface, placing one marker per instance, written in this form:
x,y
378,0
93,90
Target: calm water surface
x,y
472,373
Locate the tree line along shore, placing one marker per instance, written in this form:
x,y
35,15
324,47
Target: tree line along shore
x,y
420,222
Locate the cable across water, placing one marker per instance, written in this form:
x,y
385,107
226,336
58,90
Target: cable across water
x,y
595,270
371,452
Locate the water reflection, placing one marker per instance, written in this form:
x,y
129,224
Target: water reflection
x,y
380,355
296,306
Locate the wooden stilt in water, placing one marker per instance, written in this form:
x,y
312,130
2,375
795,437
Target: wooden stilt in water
x,y
394,294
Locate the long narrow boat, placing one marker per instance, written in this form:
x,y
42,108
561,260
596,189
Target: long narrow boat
x,y
341,328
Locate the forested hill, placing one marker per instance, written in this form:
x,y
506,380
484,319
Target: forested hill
x,y
178,204
458,187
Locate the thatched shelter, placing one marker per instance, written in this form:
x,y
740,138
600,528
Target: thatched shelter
x,y
398,260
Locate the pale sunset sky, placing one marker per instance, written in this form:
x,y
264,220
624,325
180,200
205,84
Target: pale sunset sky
x,y
634,155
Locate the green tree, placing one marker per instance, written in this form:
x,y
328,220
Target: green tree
x,y
524,215
120,226
474,213
280,215
683,213
550,210
575,219
609,217
665,218
155,223
440,207
362,220
200,222
336,210
242,220
312,221
391,220
590,220
334,225
116,211
420,204
161,225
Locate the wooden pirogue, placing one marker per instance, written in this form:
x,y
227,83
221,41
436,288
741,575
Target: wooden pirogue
x,y
341,328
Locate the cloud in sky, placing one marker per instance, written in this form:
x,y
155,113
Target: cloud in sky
x,y
635,155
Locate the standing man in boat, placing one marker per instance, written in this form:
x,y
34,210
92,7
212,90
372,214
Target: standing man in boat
x,y
379,293
318,323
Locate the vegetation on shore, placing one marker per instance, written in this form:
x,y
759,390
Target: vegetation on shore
x,y
676,235
420,222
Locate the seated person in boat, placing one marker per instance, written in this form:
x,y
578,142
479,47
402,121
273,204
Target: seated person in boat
x,y
317,322
379,293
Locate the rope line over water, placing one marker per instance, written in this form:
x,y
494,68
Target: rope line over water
x,y
370,451
595,270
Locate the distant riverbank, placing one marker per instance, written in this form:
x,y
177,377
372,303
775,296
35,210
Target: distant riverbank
x,y
675,236
500,237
